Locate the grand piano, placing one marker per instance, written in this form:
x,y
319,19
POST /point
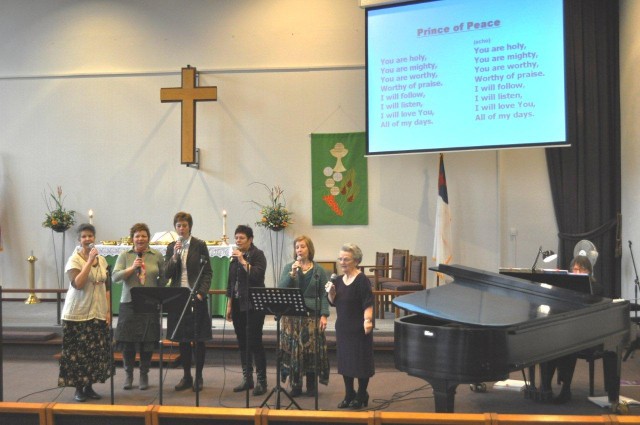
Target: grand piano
x,y
484,325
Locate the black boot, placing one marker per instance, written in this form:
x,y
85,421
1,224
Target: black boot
x,y
128,361
185,383
247,374
90,393
311,385
361,400
247,381
79,395
296,390
348,398
261,373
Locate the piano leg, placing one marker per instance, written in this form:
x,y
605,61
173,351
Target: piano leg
x,y
444,394
611,362
545,392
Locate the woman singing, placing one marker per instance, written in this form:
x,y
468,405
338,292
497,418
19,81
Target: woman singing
x,y
353,299
85,319
138,331
299,341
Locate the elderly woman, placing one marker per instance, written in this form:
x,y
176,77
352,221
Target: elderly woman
x,y
138,331
85,319
351,294
299,338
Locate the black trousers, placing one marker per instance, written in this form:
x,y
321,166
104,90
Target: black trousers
x,y
256,323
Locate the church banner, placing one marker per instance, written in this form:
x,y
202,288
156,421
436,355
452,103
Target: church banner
x,y
339,179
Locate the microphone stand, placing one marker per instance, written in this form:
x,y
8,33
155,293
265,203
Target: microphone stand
x,y
247,355
317,340
112,367
191,301
636,343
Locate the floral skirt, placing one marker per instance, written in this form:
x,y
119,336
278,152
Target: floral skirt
x,y
86,356
298,347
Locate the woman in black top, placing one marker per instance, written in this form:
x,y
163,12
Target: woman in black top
x,y
247,269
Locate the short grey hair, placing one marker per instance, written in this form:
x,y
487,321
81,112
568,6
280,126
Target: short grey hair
x,y
354,250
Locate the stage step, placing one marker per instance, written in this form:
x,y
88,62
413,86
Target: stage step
x,y
169,358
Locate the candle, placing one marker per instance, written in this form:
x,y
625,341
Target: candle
x,y
224,223
90,216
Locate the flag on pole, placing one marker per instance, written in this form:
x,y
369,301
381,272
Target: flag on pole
x,y
442,252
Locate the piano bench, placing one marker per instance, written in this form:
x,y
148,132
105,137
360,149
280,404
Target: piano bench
x,y
591,355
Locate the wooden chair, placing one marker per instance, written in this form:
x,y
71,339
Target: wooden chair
x,y
398,271
380,271
417,280
330,266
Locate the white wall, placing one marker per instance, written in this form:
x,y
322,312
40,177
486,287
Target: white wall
x,y
80,86
630,132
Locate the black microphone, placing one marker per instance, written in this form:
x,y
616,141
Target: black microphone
x,y
139,269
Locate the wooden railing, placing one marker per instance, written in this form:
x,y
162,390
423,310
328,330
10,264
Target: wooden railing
x,y
56,413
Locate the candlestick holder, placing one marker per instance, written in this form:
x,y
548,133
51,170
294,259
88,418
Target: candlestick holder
x,y
225,240
32,298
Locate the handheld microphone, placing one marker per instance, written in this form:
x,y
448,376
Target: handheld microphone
x,y
203,259
139,269
181,240
332,280
298,258
92,245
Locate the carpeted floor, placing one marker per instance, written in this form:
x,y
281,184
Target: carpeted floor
x,y
30,375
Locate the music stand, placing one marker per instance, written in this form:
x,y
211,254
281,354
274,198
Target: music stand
x,y
578,282
148,299
279,302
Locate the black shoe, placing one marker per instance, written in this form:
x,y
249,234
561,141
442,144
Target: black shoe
x,y
347,401
360,401
184,384
295,392
197,385
261,388
90,393
79,395
246,384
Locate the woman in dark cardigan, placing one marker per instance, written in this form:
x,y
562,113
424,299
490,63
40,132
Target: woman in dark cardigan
x,y
184,260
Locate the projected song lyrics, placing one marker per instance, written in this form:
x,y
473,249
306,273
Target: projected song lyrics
x,y
404,84
501,75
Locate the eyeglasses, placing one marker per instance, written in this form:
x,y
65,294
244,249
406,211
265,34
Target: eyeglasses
x,y
344,260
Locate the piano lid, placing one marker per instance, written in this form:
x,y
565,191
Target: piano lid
x,y
482,298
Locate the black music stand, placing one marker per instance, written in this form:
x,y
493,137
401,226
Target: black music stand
x,y
148,299
279,302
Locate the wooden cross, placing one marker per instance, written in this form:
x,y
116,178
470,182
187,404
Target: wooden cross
x,y
188,95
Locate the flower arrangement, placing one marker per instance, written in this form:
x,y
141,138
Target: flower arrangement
x,y
275,215
58,218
